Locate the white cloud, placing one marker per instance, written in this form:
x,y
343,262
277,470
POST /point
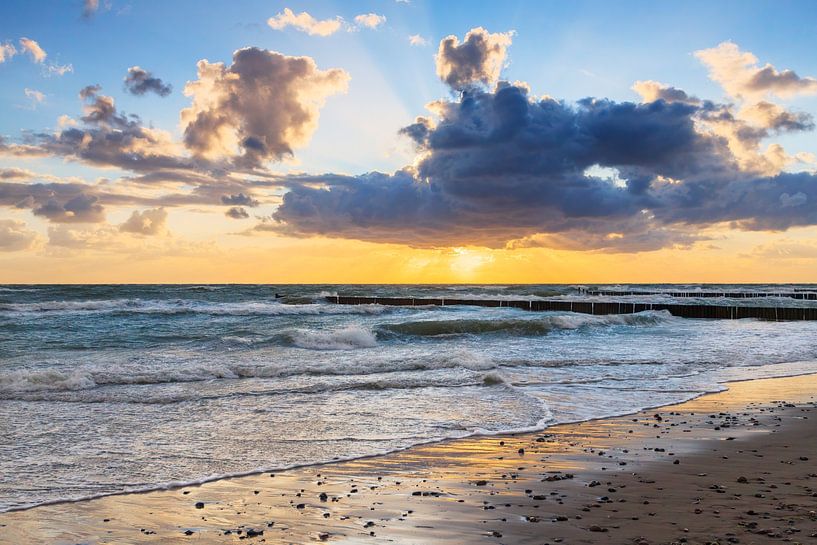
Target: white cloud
x,y
35,97
31,47
66,121
59,70
370,20
7,51
740,75
417,40
305,23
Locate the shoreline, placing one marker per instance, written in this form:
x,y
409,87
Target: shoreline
x,y
435,470
177,485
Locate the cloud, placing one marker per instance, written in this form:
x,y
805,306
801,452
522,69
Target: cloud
x,y
417,40
496,166
66,121
651,91
35,98
139,81
82,208
107,137
7,51
740,75
31,47
305,23
237,213
502,169
239,199
772,116
746,125
478,59
14,236
64,241
59,70
15,174
370,20
259,108
89,7
147,222
37,53
58,201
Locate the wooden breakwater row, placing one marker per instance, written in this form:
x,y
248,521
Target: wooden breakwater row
x,y
722,312
802,295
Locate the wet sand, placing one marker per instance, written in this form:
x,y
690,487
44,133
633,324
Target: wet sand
x,y
734,467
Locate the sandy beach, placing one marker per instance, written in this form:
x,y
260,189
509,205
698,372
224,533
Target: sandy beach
x,y
733,467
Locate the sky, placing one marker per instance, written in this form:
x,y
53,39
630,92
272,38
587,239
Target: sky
x,y
407,141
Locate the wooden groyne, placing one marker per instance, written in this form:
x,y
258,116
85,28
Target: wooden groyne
x,y
722,312
799,294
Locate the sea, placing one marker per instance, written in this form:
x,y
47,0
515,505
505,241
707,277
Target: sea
x,y
107,389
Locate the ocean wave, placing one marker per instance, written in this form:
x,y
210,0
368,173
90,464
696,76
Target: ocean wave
x,y
347,338
185,306
22,382
521,326
362,383
48,379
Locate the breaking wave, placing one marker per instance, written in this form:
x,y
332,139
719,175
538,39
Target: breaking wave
x,y
21,383
347,338
529,326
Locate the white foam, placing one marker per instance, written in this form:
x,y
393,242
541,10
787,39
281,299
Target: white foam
x,y
47,379
348,338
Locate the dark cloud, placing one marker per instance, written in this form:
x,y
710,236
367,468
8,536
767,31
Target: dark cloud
x,y
259,108
79,209
139,81
63,202
786,81
239,199
108,137
479,58
502,169
237,213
